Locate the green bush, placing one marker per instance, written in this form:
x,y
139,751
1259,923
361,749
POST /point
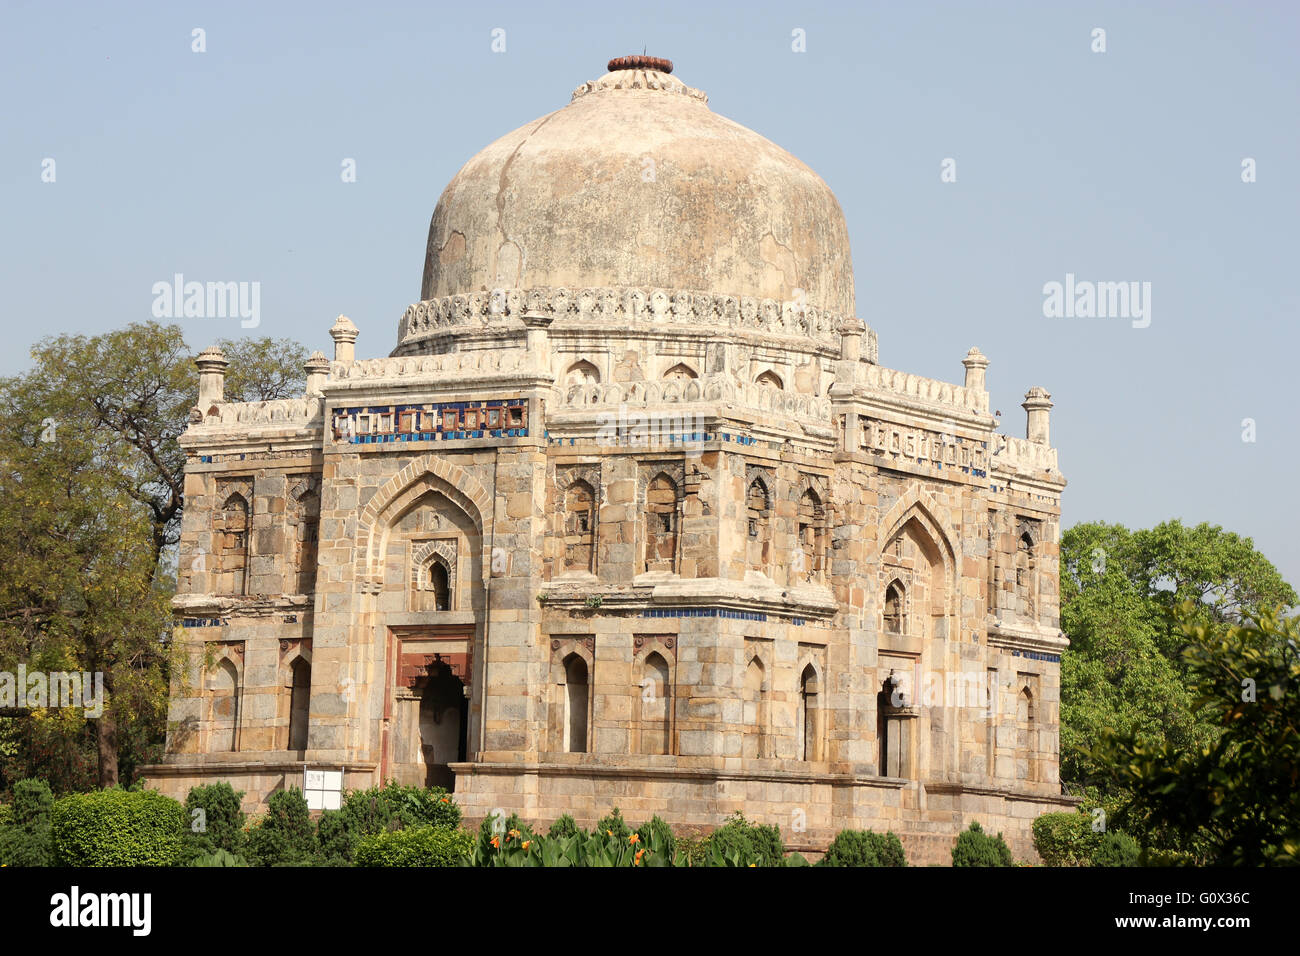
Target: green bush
x,y
976,848
25,838
1065,839
415,846
117,828
614,825
336,834
741,843
655,832
218,858
563,827
220,826
285,836
1116,849
394,806
864,848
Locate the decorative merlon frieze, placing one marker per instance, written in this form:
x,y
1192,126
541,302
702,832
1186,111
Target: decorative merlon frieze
x,y
875,378
280,411
710,388
630,306
1020,456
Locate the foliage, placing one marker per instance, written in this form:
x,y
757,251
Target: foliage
x,y
1065,839
1116,849
864,848
741,843
91,494
976,848
117,828
221,820
1123,671
518,846
218,858
379,810
285,836
25,837
415,846
1234,801
614,825
658,833
563,827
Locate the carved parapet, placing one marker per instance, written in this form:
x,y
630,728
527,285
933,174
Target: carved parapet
x,y
280,411
632,306
870,378
1022,456
453,365
710,388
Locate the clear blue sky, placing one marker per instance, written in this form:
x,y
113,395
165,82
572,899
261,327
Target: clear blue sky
x,y
1123,165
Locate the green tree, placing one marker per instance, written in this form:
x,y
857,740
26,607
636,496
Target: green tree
x,y
1123,670
1235,800
91,494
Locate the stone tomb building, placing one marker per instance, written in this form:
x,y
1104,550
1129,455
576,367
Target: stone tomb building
x,y
632,515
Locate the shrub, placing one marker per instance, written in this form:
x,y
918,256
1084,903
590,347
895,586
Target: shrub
x,y
741,843
1116,849
25,838
614,825
117,828
659,834
563,827
976,848
381,809
285,836
221,820
336,834
415,846
864,848
218,858
1065,839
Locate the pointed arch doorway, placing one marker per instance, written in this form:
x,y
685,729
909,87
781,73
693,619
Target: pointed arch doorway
x,y
428,704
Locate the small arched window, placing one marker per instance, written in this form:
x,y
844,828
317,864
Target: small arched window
x,y
661,513
225,707
579,527
808,723
770,379
232,543
299,703
894,608
655,699
440,585
812,536
759,525
576,704
582,373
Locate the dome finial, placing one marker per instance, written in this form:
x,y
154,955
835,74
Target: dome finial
x,y
640,61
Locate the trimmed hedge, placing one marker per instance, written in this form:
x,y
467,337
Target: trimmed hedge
x,y
25,837
976,848
1064,839
415,846
864,848
117,828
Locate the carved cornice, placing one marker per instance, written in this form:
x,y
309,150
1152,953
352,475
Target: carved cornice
x,y
625,307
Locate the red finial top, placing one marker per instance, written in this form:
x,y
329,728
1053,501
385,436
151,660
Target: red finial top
x,y
639,61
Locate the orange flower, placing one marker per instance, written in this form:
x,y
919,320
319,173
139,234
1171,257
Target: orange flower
x,y
634,838
446,799
513,833
496,842
609,832
753,864
525,844
639,854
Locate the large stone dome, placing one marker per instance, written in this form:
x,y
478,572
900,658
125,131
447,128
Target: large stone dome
x,y
638,183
